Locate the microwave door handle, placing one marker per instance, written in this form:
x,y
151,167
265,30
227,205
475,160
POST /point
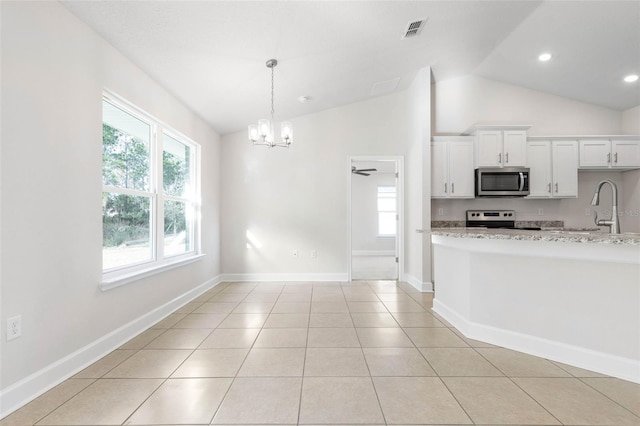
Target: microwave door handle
x,y
521,181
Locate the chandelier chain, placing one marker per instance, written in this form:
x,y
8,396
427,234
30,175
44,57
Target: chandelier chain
x,y
272,93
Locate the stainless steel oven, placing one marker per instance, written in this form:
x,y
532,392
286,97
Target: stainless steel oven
x,y
502,182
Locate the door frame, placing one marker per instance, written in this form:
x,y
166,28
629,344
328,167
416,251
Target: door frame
x,y
399,162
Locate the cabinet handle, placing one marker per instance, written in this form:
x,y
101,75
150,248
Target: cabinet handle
x,y
506,156
452,188
549,190
615,158
608,158
500,158
556,187
445,188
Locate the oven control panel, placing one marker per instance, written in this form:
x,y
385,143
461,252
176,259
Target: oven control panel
x,y
508,215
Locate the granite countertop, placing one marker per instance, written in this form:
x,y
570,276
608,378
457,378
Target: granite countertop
x,y
571,236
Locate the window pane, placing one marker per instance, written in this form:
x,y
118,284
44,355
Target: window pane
x,y
386,204
178,219
126,232
176,158
125,149
386,223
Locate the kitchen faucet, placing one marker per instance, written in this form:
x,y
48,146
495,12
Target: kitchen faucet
x,y
613,223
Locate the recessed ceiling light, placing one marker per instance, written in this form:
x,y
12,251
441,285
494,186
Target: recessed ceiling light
x,y
304,99
631,78
544,57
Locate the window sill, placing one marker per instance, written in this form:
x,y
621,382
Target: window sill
x,y
112,281
388,237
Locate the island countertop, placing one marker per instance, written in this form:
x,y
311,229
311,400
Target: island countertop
x,y
544,235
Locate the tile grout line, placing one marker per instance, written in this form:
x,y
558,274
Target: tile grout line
x,y
605,395
304,359
516,384
165,379
233,379
102,377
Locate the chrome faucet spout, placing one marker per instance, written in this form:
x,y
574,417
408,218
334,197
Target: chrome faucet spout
x,y
614,222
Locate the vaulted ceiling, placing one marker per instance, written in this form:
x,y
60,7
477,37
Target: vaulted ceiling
x,y
211,54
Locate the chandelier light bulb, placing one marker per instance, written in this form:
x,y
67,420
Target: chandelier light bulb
x,y
286,131
253,133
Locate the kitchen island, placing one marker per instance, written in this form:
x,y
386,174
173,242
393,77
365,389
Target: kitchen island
x,y
572,297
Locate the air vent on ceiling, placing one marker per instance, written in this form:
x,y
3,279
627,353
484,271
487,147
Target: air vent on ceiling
x,y
414,28
384,87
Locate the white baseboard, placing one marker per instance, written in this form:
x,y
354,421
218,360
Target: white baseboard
x,y
29,388
342,277
425,287
600,362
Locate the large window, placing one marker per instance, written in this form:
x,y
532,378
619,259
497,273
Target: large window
x,y
387,211
150,189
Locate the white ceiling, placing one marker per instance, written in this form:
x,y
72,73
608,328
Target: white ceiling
x,y
212,54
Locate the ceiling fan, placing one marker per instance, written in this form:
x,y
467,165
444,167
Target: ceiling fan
x,y
362,172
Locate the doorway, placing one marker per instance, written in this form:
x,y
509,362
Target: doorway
x,y
375,218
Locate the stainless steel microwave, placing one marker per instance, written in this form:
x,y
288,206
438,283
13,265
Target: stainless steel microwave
x,y
502,182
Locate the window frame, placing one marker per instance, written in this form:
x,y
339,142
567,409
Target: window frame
x,y
159,262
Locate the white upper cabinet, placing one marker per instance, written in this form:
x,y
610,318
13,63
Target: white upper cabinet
x,y
625,153
539,163
452,167
500,146
489,147
553,169
609,154
461,170
439,170
515,148
564,159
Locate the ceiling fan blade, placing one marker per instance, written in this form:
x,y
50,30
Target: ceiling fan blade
x,y
368,170
361,173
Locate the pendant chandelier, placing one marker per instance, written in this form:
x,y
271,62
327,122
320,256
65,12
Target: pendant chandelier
x,y
263,133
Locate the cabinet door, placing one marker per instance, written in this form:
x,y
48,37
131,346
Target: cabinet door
x,y
625,153
439,170
515,148
565,168
461,171
489,147
539,163
595,153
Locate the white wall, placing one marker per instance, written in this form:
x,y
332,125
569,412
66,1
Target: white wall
x,y
462,102
296,198
631,121
418,182
364,210
54,69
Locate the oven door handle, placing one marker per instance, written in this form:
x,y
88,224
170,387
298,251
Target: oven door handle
x,y
521,181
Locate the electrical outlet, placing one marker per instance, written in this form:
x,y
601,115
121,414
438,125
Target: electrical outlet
x,y
540,212
294,253
14,327
314,254
440,211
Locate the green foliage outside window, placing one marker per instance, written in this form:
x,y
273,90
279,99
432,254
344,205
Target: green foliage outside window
x,y
125,162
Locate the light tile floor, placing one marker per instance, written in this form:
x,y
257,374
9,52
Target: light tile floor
x,y
324,353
